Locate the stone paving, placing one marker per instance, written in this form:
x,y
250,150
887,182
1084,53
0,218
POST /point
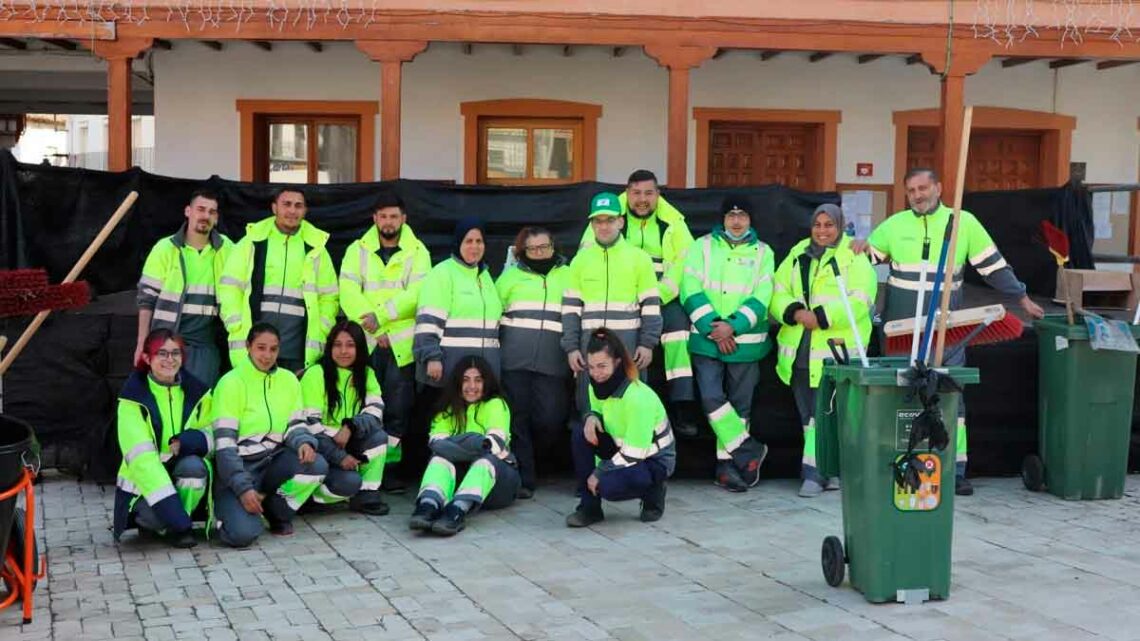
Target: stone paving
x,y
719,566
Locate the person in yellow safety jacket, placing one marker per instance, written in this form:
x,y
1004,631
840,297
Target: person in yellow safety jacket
x,y
345,411
380,280
164,434
625,448
809,306
281,273
902,239
178,288
536,377
267,460
469,438
726,289
657,227
458,312
611,284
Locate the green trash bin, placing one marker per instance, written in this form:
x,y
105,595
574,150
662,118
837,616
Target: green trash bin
x,y
896,541
826,433
1084,414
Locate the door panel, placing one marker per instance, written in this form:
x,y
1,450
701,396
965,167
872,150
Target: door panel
x,y
744,153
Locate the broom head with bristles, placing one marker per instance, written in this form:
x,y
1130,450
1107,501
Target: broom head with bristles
x,y
25,292
1003,327
1057,241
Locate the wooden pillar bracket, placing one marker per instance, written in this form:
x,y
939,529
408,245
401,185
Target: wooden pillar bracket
x,y
128,48
679,56
391,50
962,62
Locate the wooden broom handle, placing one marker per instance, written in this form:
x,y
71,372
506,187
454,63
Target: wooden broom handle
x,y
952,250
80,265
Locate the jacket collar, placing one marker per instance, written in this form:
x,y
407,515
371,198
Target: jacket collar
x,y
408,239
179,237
312,236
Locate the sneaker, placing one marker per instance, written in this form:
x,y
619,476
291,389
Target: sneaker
x,y
963,486
182,540
653,505
810,489
281,528
525,493
368,502
424,515
585,517
832,484
451,523
728,477
748,459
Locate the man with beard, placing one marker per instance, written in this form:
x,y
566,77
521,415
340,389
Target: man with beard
x,y
178,285
658,228
380,279
281,273
907,237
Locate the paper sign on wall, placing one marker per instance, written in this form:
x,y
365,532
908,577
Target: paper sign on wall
x,y
1102,215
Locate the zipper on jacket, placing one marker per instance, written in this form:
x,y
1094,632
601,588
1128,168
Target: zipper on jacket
x,y
284,274
542,321
268,410
175,427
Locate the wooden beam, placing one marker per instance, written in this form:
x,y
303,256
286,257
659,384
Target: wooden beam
x,y
517,50
1112,64
719,53
13,43
315,46
165,45
869,57
468,48
213,44
768,55
264,45
914,60
1065,62
66,45
1016,62
567,50
819,55
618,51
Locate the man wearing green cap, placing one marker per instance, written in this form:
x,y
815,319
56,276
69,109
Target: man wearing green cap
x,y
611,284
658,228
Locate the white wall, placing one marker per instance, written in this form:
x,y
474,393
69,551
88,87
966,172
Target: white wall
x,y
198,129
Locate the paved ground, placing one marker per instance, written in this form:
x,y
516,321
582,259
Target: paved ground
x,y
718,566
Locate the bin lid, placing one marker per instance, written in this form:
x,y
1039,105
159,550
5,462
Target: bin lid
x,y
1058,325
890,372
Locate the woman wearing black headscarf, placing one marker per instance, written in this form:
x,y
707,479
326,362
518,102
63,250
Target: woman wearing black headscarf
x,y
459,310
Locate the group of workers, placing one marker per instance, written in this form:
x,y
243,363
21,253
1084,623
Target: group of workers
x,y
326,367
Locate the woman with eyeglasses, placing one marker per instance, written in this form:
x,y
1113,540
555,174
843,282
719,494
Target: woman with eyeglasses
x,y
536,376
163,429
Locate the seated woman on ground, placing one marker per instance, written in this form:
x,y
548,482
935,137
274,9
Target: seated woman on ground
x,y
163,425
345,411
624,447
469,437
267,461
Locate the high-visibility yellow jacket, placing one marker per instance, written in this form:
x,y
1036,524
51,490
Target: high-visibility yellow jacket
x,y
179,283
530,331
457,316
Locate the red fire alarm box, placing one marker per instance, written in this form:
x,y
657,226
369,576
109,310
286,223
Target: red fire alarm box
x,y
864,169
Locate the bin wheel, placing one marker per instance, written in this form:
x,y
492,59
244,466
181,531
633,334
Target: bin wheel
x,y
16,542
833,561
1033,473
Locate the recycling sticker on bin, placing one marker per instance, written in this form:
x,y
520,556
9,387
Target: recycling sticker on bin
x,y
929,493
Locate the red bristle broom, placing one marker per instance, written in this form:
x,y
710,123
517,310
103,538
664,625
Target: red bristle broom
x,y
1058,243
23,291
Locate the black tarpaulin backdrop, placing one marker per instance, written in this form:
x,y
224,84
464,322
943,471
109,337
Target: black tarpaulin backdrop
x,y
66,381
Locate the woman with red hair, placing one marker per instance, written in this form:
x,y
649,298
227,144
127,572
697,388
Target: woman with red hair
x,y
163,429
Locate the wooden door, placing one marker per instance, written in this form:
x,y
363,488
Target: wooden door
x,y
999,158
754,153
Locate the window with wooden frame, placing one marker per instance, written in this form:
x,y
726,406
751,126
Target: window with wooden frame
x,y
307,141
529,142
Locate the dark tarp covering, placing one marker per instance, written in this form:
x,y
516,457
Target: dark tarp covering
x,y
66,381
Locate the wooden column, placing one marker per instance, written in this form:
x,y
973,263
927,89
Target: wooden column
x,y
119,54
952,106
391,54
679,59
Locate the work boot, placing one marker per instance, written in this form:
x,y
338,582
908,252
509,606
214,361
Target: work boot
x,y
451,523
963,486
728,477
281,528
424,515
653,503
811,488
748,458
182,540
684,421
393,485
585,517
832,484
368,502
525,493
